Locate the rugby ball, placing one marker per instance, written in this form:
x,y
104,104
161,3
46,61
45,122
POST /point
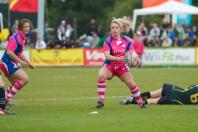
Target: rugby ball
x,y
133,59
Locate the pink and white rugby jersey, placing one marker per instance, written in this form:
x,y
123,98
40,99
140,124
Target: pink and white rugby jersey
x,y
118,48
13,45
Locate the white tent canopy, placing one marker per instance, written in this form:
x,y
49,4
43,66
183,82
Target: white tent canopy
x,y
173,8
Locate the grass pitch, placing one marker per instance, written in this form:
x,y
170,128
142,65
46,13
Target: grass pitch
x,y
60,100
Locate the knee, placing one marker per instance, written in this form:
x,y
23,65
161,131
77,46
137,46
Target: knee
x,y
24,81
2,83
101,77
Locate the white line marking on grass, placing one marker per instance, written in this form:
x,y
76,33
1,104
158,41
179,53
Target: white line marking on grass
x,y
93,113
72,98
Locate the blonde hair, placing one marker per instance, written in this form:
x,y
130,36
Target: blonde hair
x,y
124,24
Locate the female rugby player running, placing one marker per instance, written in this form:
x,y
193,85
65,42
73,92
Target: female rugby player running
x,y
115,47
12,57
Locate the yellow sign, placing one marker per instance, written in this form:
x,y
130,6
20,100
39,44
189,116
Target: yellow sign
x,y
57,57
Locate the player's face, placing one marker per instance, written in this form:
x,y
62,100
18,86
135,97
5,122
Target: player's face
x,y
26,28
115,29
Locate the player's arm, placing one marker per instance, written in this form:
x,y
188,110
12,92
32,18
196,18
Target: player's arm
x,y
10,50
15,58
113,58
153,100
110,57
27,62
12,55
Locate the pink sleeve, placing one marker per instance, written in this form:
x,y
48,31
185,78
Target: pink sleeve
x,y
106,47
11,44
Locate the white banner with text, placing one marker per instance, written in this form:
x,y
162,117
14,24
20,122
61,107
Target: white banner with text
x,y
175,56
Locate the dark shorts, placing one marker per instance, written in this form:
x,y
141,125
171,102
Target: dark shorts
x,y
166,93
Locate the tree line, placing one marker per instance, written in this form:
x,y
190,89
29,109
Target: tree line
x,y
102,10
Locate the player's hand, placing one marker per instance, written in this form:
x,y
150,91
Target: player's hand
x,y
122,58
139,63
23,63
31,66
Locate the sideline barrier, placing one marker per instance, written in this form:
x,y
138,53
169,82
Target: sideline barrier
x,y
151,57
95,57
169,56
57,57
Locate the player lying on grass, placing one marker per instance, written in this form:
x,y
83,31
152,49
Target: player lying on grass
x,y
168,94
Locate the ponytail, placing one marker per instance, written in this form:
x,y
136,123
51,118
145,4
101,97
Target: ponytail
x,y
124,24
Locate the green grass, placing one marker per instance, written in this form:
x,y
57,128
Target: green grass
x,y
50,103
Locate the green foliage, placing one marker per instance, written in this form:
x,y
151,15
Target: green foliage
x,y
102,10
82,10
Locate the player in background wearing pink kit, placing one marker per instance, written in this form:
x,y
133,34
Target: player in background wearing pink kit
x,y
138,44
12,57
115,47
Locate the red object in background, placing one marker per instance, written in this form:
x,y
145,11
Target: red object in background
x,y
24,5
149,3
94,57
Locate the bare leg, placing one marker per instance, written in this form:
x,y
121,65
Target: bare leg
x,y
128,79
156,93
103,75
153,100
1,81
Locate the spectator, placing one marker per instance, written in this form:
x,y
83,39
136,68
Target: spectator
x,y
45,31
195,35
187,41
165,24
31,41
101,41
100,31
195,32
181,35
164,35
40,44
61,32
69,36
155,33
91,27
176,35
171,34
144,32
167,42
149,41
15,26
95,40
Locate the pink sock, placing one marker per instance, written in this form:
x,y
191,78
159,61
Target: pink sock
x,y
14,89
136,94
101,87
